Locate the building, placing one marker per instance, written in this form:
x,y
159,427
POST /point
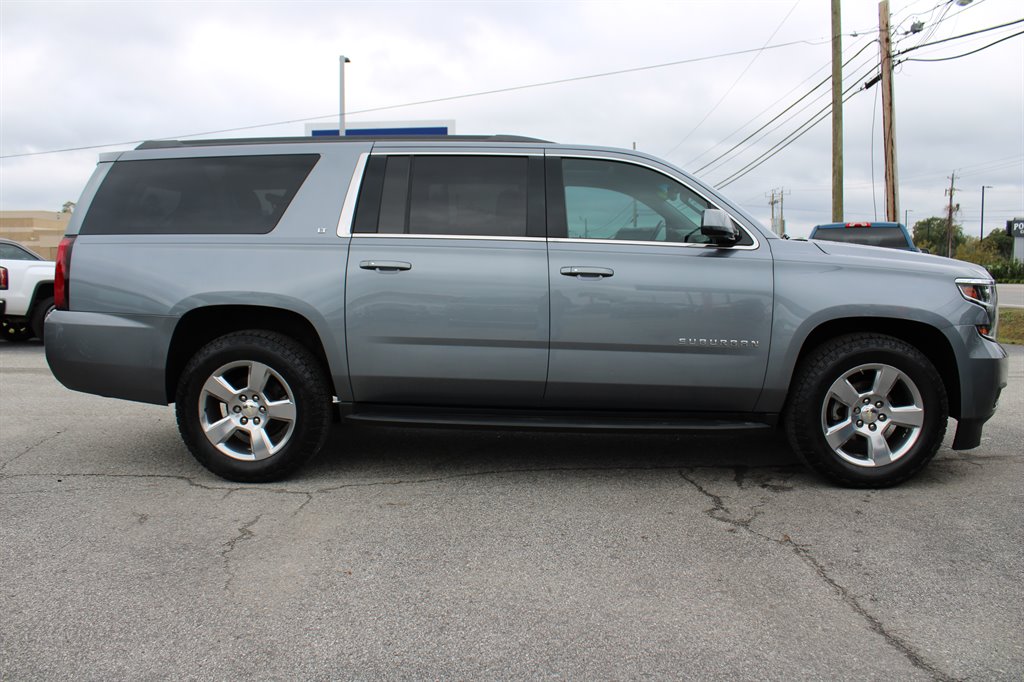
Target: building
x,y
40,231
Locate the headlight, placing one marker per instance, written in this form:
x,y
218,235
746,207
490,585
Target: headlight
x,y
983,293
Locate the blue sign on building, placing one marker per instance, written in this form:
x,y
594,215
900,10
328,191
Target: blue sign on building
x,y
385,129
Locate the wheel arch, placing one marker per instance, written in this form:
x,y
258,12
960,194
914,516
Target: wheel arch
x,y
199,326
42,291
924,337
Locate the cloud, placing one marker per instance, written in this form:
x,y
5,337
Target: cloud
x,y
84,73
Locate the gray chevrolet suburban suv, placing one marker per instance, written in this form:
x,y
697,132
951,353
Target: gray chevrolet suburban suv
x,y
266,286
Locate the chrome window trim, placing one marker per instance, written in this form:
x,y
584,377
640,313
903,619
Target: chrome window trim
x,y
642,164
430,152
689,245
348,209
493,238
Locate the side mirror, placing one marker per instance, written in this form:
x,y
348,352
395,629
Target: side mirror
x,y
925,251
716,224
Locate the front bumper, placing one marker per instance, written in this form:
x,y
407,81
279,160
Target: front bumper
x,y
983,367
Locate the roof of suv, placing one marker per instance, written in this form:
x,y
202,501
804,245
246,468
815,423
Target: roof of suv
x,y
165,144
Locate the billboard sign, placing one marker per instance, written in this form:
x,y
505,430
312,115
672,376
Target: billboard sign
x,y
383,128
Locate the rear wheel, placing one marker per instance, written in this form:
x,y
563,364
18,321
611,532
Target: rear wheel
x,y
253,406
39,314
867,410
15,329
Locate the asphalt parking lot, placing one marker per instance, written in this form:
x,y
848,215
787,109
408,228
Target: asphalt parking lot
x,y
414,554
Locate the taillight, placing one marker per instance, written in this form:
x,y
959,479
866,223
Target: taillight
x,y
62,275
3,277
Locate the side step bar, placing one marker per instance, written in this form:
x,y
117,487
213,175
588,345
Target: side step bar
x,y
421,416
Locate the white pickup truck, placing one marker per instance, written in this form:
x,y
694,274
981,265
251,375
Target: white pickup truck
x,y
26,291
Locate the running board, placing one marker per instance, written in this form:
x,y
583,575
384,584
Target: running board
x,y
420,416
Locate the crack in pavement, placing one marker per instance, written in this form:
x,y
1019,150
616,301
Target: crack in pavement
x,y
721,513
29,449
245,532
228,489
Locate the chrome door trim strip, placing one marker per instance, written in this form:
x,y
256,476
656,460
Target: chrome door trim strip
x,y
348,209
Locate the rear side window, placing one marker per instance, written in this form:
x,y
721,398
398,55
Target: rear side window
x,y
12,252
211,195
455,195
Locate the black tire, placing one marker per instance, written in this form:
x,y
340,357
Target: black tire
x,y
248,424
866,411
39,313
16,330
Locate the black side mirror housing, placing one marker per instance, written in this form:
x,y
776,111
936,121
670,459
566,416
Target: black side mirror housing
x,y
718,226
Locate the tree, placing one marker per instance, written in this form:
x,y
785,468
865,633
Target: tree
x,y
980,251
1003,243
930,234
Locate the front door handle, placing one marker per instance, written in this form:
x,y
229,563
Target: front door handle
x,y
385,265
586,272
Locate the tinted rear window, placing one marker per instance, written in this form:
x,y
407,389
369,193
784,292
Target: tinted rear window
x,y
212,195
455,195
890,237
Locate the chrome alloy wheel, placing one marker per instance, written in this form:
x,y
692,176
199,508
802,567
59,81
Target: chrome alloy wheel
x,y
872,415
247,410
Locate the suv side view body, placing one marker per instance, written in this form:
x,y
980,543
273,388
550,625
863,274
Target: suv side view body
x,y
263,285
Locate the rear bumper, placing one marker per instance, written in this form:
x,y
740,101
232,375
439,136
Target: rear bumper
x,y
118,356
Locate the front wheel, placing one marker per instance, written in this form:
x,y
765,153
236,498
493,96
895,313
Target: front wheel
x,y
253,406
866,410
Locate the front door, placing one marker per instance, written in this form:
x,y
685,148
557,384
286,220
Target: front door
x,y
646,313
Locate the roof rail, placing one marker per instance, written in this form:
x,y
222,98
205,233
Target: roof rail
x,y
167,144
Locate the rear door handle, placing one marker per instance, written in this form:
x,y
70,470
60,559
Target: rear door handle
x,y
586,272
385,265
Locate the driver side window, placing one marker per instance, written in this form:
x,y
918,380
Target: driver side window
x,y
620,201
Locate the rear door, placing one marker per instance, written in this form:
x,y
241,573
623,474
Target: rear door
x,y
447,283
646,312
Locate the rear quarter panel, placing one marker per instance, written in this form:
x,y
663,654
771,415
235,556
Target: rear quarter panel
x,y
299,266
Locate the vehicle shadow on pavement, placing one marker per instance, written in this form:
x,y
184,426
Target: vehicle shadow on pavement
x,y
369,450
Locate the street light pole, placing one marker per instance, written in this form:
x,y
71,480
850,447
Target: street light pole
x,y
906,213
983,188
343,60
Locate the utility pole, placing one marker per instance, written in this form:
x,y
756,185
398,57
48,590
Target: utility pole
x,y
343,60
949,218
837,114
892,192
776,197
771,202
983,188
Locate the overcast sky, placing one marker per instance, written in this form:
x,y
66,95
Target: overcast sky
x,y
79,74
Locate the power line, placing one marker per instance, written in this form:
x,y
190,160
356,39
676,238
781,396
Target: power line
x,y
826,108
811,123
734,83
781,113
761,113
965,54
779,146
962,35
450,98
